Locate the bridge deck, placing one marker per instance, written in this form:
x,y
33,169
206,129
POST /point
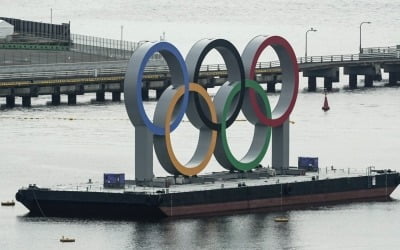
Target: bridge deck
x,y
33,80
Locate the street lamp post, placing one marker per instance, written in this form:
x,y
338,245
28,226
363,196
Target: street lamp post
x,y
312,29
122,37
360,33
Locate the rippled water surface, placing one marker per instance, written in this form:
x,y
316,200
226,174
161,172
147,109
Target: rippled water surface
x,y
70,144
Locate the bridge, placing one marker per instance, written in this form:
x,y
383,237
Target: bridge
x,y
369,63
72,79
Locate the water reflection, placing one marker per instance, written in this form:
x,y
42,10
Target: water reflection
x,y
256,230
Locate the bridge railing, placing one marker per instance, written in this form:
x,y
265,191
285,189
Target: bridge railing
x,y
313,59
330,58
393,51
384,54
300,60
380,50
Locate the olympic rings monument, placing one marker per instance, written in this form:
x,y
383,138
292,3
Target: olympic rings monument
x,y
211,117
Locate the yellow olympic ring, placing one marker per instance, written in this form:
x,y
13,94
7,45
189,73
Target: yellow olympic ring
x,y
190,170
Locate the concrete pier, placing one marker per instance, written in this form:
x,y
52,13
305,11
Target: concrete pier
x,y
394,72
271,87
71,99
100,96
159,93
368,81
26,101
369,71
312,83
116,96
10,101
392,78
328,83
145,94
353,81
330,75
55,99
270,80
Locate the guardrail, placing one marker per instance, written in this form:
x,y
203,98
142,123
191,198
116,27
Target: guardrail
x,y
338,58
379,50
80,48
27,46
109,48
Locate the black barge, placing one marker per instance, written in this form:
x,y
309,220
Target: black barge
x,y
210,194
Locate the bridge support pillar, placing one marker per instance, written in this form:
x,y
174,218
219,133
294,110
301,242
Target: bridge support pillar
x,y
55,99
368,80
378,76
271,87
312,83
392,78
100,96
159,93
26,101
145,94
328,83
71,99
352,81
10,101
116,96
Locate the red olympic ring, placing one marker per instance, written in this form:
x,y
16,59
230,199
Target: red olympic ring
x,y
290,76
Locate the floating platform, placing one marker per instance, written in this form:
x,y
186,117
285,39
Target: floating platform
x,y
213,193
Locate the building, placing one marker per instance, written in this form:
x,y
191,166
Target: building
x,y
6,29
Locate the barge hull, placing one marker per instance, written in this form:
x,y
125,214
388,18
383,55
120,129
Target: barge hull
x,y
275,204
271,196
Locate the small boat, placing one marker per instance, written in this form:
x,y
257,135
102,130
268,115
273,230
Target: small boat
x,y
8,203
281,219
65,239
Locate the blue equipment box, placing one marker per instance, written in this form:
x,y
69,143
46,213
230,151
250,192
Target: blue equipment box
x,y
308,163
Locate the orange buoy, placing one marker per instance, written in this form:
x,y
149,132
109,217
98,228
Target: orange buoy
x,y
326,105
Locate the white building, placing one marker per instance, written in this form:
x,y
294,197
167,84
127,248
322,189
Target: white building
x,y
6,29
